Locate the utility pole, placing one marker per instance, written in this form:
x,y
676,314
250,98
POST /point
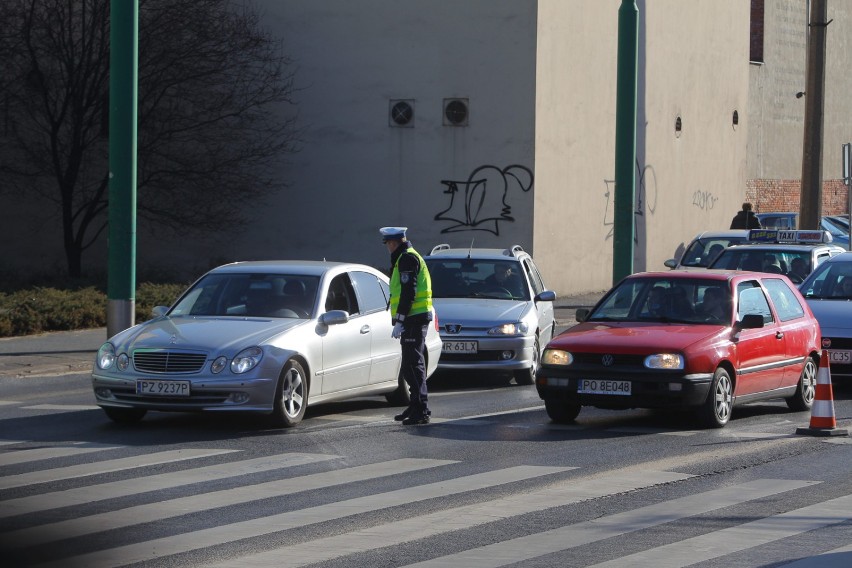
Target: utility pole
x,y
810,205
625,141
123,80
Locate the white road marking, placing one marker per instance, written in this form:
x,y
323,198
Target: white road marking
x,y
556,540
459,518
82,470
25,455
195,540
740,537
135,486
160,510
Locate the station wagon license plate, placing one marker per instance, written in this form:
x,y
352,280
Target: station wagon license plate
x,y
162,388
465,347
603,386
841,356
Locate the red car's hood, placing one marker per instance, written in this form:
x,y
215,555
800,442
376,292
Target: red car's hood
x,y
632,337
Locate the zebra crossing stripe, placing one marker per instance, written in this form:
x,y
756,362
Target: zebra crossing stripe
x,y
556,540
62,407
837,558
160,510
135,486
196,540
24,455
82,470
740,537
459,518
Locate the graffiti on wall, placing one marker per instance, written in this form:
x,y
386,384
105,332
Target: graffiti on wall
x,y
646,199
482,201
704,200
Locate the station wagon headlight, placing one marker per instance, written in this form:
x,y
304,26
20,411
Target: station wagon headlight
x,y
246,360
517,328
106,356
556,357
664,361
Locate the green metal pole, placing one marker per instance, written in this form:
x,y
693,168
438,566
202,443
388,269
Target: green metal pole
x,y
123,80
625,140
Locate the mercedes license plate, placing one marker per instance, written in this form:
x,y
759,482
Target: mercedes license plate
x,y
603,386
465,347
162,388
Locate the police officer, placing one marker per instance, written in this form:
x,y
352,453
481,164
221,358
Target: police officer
x,y
411,310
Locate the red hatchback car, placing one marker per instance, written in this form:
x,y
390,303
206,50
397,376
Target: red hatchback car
x,y
685,339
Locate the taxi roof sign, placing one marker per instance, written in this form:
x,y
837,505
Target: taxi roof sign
x,y
777,236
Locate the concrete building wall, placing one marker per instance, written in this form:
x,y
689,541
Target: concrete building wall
x,y
535,163
693,65
777,115
356,173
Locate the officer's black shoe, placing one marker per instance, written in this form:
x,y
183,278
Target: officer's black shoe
x,y
405,414
414,420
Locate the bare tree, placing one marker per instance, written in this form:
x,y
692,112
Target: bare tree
x,y
214,114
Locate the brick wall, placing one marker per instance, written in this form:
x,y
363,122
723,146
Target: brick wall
x,y
768,195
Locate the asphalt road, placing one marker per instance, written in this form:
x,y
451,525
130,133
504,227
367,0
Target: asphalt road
x,y
490,482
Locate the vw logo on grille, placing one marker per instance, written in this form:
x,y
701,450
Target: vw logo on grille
x,y
452,328
607,360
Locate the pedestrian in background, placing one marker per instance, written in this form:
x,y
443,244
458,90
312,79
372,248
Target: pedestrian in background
x,y
411,310
745,219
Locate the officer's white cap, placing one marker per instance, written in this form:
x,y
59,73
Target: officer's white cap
x,y
393,233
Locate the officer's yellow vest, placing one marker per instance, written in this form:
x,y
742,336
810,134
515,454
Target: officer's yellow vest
x,y
422,303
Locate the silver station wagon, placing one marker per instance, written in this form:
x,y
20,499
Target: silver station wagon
x,y
494,309
265,337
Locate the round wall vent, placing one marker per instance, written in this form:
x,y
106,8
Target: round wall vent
x,y
456,112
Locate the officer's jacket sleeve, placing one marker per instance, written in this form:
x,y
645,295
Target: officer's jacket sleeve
x,y
408,267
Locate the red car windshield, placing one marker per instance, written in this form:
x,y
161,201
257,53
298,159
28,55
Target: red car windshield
x,y
665,300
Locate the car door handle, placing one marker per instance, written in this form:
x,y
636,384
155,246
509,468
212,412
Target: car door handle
x,y
365,329
779,335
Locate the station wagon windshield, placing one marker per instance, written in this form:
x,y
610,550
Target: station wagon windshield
x,y
501,279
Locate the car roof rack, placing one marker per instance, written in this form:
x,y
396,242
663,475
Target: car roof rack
x,y
442,246
514,250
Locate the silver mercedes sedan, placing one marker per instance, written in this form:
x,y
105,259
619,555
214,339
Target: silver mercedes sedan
x,y
264,337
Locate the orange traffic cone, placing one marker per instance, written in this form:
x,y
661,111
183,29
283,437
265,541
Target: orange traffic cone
x,y
822,411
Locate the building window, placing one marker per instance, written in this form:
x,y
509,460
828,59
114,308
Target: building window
x,y
756,49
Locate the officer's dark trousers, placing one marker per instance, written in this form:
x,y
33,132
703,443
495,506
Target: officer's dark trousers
x,y
414,367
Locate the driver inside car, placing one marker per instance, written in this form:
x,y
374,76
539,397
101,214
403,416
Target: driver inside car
x,y
504,277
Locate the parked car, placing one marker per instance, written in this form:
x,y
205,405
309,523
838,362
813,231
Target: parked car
x,y
704,340
495,310
265,337
792,253
790,221
828,292
705,247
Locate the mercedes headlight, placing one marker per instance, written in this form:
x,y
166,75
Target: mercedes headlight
x,y
106,356
246,360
